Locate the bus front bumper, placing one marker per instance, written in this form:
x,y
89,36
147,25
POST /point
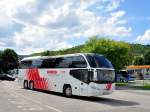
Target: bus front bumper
x,y
100,89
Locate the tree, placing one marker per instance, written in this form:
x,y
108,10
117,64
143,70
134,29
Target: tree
x,y
117,52
9,59
45,53
139,60
147,58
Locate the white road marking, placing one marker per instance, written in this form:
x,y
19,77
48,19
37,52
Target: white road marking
x,y
57,110
13,93
30,108
19,106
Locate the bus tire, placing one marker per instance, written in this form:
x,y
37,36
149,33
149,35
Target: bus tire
x,y
31,85
25,84
67,91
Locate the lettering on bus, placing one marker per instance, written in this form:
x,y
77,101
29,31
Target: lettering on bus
x,y
51,72
63,72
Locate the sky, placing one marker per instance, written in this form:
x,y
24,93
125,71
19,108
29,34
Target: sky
x,y
30,26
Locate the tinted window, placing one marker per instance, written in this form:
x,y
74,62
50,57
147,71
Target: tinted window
x,y
26,64
60,62
36,63
48,63
82,75
78,62
97,61
91,61
63,62
76,74
69,62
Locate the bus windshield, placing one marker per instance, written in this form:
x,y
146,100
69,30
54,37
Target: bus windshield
x,y
105,76
97,61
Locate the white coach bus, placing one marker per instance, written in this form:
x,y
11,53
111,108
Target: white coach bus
x,y
83,74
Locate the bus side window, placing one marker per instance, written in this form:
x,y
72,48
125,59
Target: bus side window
x,y
26,64
76,74
36,63
63,62
82,75
48,63
90,76
78,62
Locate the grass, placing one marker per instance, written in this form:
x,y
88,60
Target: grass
x,y
121,84
145,87
142,87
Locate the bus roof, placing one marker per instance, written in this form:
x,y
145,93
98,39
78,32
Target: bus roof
x,y
138,67
46,57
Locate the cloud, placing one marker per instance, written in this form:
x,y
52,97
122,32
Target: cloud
x,y
111,25
35,39
6,43
49,24
113,5
122,31
145,38
2,44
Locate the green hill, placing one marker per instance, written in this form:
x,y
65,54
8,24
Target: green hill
x,y
139,50
76,49
136,50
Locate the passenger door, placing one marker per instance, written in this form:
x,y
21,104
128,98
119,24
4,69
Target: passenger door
x,y
84,82
82,76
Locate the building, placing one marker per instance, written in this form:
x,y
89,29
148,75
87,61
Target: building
x,y
139,71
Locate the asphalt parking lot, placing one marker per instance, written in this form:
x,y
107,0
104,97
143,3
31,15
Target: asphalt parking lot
x,y
15,99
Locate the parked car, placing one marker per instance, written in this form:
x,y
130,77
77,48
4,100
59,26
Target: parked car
x,y
6,77
13,73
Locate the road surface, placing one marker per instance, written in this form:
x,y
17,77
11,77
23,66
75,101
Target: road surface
x,y
15,99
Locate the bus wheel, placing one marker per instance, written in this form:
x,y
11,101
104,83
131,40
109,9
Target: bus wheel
x,y
68,91
31,85
25,84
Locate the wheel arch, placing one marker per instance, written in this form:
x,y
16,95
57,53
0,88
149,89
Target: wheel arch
x,y
65,86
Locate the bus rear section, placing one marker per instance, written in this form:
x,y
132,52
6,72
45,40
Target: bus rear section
x,y
75,74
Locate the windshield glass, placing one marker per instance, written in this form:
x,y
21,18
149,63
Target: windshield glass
x,y
97,61
105,76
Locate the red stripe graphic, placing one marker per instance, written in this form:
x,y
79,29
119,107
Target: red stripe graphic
x,y
39,82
